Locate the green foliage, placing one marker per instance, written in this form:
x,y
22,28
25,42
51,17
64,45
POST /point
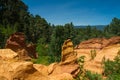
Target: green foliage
x,y
80,61
114,77
41,60
93,54
12,12
86,75
113,29
37,28
59,35
92,76
57,40
5,33
43,52
112,68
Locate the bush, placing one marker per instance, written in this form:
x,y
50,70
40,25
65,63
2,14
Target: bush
x,y
41,60
80,61
114,77
93,54
112,68
86,75
92,76
43,52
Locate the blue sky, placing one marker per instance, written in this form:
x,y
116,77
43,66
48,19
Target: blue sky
x,y
80,12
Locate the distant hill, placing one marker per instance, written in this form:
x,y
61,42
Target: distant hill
x,y
100,27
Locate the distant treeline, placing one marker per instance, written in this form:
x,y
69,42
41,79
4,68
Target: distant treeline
x,y
15,17
99,27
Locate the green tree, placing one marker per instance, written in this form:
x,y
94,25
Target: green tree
x,y
57,39
38,28
6,32
69,30
12,11
113,29
112,68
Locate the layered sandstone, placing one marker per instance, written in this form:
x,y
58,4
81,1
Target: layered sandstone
x,y
104,49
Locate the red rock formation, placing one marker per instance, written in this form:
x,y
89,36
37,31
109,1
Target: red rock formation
x,y
98,43
16,42
31,48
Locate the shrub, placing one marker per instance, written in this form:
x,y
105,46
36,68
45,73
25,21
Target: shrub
x,y
93,54
112,68
81,63
92,76
43,53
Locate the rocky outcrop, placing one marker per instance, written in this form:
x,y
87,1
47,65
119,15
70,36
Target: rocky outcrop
x,y
104,49
68,55
16,70
13,68
31,49
8,55
98,43
16,42
68,64
96,65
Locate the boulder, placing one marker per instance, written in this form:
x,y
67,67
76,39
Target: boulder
x,y
17,43
16,70
72,69
8,55
41,68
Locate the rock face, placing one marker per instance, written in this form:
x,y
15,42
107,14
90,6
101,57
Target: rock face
x,y
104,49
5,54
68,64
16,42
98,43
16,70
12,68
68,55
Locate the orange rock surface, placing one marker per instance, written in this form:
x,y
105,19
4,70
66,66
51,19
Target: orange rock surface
x,y
104,49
